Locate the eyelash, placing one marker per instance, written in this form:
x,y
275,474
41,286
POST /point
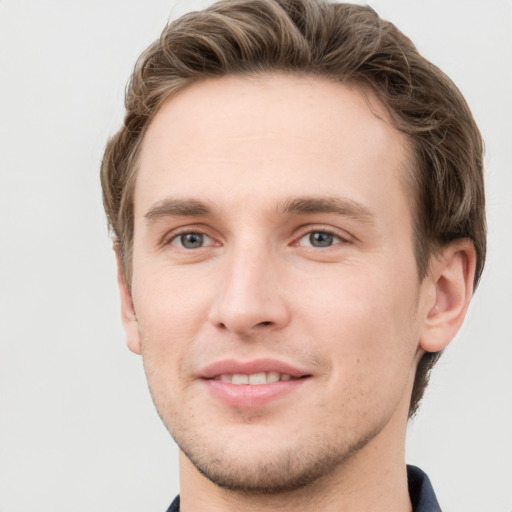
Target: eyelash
x,y
172,237
323,230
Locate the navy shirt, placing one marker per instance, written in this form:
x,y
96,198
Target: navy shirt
x,y
422,495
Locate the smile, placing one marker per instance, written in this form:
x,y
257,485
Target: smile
x,y
254,379
245,395
252,384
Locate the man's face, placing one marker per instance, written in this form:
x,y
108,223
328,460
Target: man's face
x,y
277,302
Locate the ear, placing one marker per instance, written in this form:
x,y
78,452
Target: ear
x,y
128,316
450,280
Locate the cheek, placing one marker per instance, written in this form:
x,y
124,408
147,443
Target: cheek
x,y
170,313
367,325
168,303
168,322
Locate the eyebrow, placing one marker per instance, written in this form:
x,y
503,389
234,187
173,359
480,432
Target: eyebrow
x,y
337,205
171,207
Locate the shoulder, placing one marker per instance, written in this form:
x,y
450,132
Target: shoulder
x,y
422,494
175,505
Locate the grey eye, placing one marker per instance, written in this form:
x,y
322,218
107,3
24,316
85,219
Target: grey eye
x,y
190,240
319,239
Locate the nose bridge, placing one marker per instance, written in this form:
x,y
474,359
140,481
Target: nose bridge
x,y
248,296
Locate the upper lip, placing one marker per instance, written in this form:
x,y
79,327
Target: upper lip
x,y
232,366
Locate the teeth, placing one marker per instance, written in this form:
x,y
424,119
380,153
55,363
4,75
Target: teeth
x,y
272,377
258,378
240,379
254,379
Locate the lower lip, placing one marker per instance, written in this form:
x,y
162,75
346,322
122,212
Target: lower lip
x,y
245,396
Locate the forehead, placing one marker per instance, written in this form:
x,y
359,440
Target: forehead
x,y
267,136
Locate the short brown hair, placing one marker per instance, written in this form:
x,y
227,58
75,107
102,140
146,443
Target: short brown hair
x,y
341,42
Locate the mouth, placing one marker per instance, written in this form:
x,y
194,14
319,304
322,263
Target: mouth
x,y
252,384
255,379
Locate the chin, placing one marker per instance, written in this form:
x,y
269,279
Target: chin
x,y
271,470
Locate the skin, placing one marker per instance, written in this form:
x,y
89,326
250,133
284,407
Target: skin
x,y
235,160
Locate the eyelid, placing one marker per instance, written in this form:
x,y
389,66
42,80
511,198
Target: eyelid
x,y
338,233
176,241
170,236
302,231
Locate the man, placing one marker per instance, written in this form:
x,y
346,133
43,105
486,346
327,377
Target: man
x,y
296,199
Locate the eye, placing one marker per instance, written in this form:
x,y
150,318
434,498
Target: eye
x,y
319,239
191,240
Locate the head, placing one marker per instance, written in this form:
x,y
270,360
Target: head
x,y
343,44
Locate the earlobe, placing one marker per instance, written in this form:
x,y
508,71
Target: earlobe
x,y
451,279
128,316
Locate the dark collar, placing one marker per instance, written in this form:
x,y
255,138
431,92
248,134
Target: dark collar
x,y
422,495
175,505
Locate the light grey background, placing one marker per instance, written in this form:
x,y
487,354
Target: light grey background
x,y
78,432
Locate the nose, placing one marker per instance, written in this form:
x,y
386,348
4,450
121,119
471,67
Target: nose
x,y
251,298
